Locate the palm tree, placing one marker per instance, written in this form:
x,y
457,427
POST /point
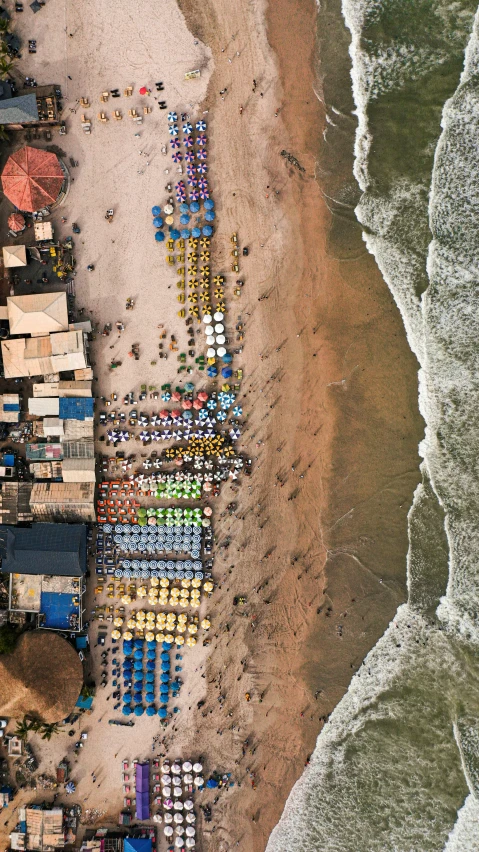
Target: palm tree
x,y
23,729
4,25
47,731
6,64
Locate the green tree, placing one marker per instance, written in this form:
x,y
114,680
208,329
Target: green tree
x,y
8,635
23,728
47,731
4,25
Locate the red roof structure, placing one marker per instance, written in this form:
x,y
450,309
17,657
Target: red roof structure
x,y
16,222
32,178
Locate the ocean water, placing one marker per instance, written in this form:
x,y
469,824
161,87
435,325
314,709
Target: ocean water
x,y
396,768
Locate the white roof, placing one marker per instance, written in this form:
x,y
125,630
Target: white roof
x,y
41,407
14,256
37,313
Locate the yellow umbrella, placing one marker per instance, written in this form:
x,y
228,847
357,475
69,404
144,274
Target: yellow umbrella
x,y
186,584
208,586
149,636
196,583
115,634
182,618
179,640
169,220
164,582
160,637
131,623
169,638
194,603
191,641
152,601
154,581
118,622
141,613
195,593
185,593
206,624
126,599
183,602
150,616
192,628
127,635
180,628
142,593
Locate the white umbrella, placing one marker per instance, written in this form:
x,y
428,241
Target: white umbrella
x,y
167,792
207,319
189,805
187,767
209,329
219,328
191,818
167,831
190,842
168,818
210,353
176,769
166,779
221,352
178,818
178,806
168,208
190,832
220,338
199,781
179,842
179,830
188,779
197,767
218,316
210,340
177,792
176,778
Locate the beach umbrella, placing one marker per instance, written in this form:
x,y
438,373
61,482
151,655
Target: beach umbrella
x,y
127,698
163,713
173,130
226,372
164,678
164,656
155,211
115,635
187,127
199,781
168,209
177,157
184,218
138,711
237,411
185,234
174,143
227,358
172,116
138,655
201,124
204,193
188,141
150,655
221,352
150,677
158,222
150,666
127,711
194,207
201,154
203,184
212,372
143,90
192,181
174,234
150,697
184,207
150,711
167,831
190,842
207,230
190,831
202,169
189,157
196,232
209,204
201,139
190,170
188,805
159,236
194,195
210,216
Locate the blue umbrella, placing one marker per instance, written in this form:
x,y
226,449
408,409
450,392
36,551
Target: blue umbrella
x,y
138,665
237,411
165,678
138,643
194,207
166,646
159,236
174,234
162,713
138,655
185,234
150,655
227,358
207,231
150,711
196,232
184,218
212,372
158,222
155,211
126,711
151,646
165,667
127,667
138,711
164,656
184,207
187,415
164,689
138,697
210,216
127,699
139,682
150,677
150,697
226,372
150,666
211,783
209,204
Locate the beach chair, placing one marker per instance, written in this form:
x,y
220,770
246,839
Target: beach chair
x,y
128,91
104,97
84,102
146,110
118,115
102,117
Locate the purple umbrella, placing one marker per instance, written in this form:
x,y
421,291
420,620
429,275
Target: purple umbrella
x,y
201,169
175,143
188,141
180,197
201,154
203,184
189,157
180,185
204,193
192,182
201,139
194,195
190,171
176,157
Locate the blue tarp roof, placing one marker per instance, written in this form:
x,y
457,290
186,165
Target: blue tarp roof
x,y
81,642
137,844
84,703
75,408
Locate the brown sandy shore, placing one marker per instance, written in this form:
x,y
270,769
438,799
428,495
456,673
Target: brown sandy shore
x,y
319,543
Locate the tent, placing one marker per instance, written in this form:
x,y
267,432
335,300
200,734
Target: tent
x,y
32,178
14,256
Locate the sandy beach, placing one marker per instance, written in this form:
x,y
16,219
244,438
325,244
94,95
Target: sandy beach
x,y
319,540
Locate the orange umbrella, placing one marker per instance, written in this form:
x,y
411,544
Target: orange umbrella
x,y
32,178
16,222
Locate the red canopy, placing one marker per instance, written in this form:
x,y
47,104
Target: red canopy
x,y
16,222
203,396
143,90
32,178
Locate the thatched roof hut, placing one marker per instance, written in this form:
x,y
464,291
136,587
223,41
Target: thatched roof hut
x,y
42,678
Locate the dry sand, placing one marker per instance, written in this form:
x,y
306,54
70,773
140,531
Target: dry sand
x,y
323,404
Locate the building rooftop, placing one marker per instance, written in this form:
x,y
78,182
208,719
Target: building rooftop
x,y
37,313
53,549
19,110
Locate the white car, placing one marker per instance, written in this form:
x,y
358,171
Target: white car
x,y
3,723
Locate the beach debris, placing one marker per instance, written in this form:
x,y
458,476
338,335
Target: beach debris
x,y
291,159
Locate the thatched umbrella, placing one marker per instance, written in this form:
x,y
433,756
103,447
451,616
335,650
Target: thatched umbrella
x,y
42,678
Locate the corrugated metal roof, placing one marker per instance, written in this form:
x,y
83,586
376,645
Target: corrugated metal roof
x,y
78,449
58,549
78,470
76,408
38,452
44,406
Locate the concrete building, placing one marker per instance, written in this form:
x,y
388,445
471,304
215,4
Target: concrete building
x,y
63,502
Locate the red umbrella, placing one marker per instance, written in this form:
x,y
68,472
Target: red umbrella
x,y
143,90
176,395
164,413
176,412
203,396
197,404
16,222
187,403
32,178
